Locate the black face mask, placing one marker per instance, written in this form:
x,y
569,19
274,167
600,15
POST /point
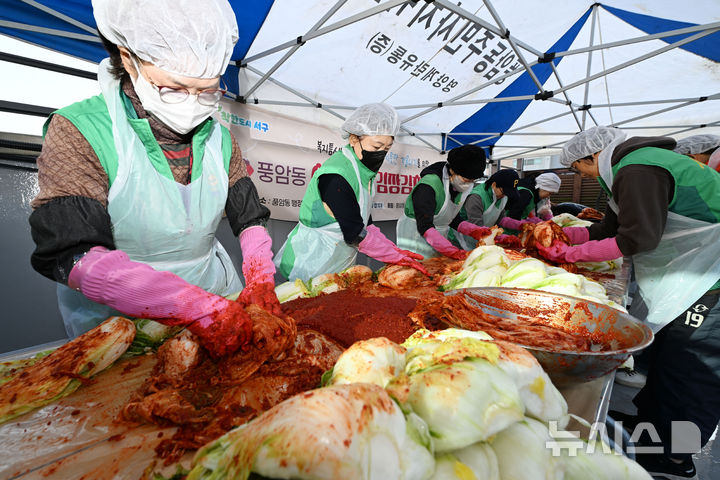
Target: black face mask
x,y
372,160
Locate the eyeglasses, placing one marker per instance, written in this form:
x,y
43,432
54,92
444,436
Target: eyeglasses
x,y
208,97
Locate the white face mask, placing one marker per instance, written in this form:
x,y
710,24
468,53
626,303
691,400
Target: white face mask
x,y
179,117
461,185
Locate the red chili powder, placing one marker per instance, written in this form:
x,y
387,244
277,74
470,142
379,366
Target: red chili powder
x,y
347,316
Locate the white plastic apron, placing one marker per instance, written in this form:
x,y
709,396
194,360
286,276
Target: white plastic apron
x,y
158,221
408,237
684,265
680,270
323,249
490,217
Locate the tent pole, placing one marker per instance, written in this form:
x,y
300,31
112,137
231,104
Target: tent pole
x,y
295,47
295,92
25,109
567,99
652,102
589,62
644,38
506,35
654,53
524,126
61,16
318,105
53,67
330,28
475,19
616,124
49,31
656,112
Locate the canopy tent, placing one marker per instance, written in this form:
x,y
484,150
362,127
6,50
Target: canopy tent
x,y
516,77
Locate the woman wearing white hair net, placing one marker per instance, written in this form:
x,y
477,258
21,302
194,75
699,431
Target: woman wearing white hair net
x,y
703,148
664,213
533,200
335,221
134,182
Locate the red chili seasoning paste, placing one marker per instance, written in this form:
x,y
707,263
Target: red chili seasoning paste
x,y
348,316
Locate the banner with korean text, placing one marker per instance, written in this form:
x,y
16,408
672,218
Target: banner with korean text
x,y
282,153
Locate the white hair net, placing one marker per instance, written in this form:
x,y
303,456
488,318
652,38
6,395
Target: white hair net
x,y
548,181
590,141
187,37
697,144
372,119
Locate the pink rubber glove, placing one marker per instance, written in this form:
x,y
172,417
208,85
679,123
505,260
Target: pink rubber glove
x,y
136,289
510,241
443,245
475,231
577,235
258,269
545,215
512,224
379,247
592,251
534,219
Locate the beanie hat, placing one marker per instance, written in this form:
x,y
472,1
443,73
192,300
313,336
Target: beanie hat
x,y
467,161
549,182
507,179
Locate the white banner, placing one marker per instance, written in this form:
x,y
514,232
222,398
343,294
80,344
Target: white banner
x,y
282,153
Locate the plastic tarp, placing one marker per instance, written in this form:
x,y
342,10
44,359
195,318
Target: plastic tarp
x,y
459,72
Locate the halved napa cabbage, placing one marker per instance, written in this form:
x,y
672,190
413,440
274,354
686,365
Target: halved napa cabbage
x,y
482,268
337,432
594,289
486,257
61,372
356,274
525,273
569,220
484,278
476,462
542,400
523,454
427,349
597,461
326,283
376,360
464,402
537,393
291,290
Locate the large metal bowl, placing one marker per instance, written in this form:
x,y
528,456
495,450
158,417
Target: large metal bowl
x,y
625,333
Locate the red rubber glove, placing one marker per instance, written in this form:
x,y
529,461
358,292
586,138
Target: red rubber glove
x,y
475,231
510,241
592,251
378,246
577,235
443,245
138,290
258,269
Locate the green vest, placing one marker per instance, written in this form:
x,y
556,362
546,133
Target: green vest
x,y
436,183
697,189
91,118
312,211
530,207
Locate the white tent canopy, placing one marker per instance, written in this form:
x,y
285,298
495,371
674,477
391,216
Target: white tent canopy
x,y
338,55
471,71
